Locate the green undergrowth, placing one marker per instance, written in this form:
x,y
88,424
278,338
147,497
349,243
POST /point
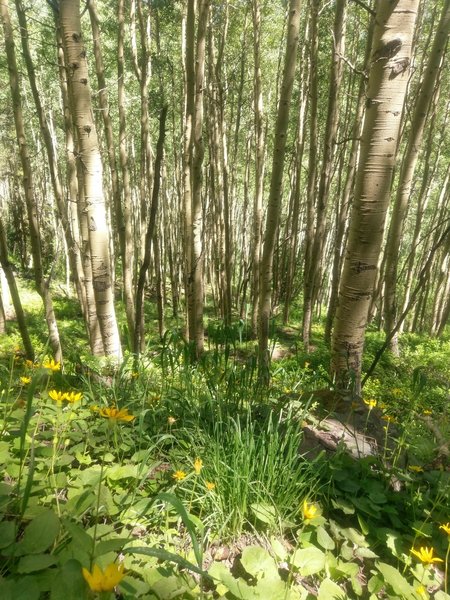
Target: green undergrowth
x,y
184,480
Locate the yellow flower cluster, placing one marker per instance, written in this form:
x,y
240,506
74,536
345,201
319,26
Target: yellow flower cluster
x,y
113,413
104,581
70,397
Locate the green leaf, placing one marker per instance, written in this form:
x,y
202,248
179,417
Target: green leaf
x,y
179,507
79,535
265,513
164,555
39,534
113,545
324,539
396,580
26,588
7,533
346,507
375,584
330,591
365,553
69,583
35,562
117,472
258,562
238,587
362,524
308,561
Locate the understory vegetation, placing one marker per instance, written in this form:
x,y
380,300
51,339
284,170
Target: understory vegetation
x,y
173,479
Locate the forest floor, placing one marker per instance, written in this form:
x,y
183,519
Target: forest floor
x,y
171,479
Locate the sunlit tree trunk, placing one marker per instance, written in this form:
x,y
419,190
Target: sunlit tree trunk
x,y
42,285
388,78
409,162
90,161
276,182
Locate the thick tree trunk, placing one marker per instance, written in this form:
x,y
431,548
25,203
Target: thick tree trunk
x,y
275,195
42,285
388,78
90,160
421,110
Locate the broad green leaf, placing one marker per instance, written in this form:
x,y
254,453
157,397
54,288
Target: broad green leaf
x,y
396,580
375,584
330,591
35,562
113,545
7,533
69,583
440,595
78,534
117,472
173,586
308,561
258,562
265,513
365,553
238,587
26,588
39,534
344,505
324,539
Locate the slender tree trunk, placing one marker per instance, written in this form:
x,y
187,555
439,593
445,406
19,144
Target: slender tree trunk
x,y
314,253
259,166
276,182
20,315
42,285
421,110
90,161
388,78
124,223
139,316
196,250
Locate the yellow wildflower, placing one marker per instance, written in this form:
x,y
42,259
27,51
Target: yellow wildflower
x,y
309,511
370,403
25,380
134,375
427,412
171,420
73,397
415,468
179,475
198,464
388,418
51,365
445,528
396,392
422,591
57,396
29,364
115,414
104,581
210,486
426,555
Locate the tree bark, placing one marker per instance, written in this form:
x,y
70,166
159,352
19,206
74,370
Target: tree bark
x,y
388,78
409,162
90,161
42,284
276,181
